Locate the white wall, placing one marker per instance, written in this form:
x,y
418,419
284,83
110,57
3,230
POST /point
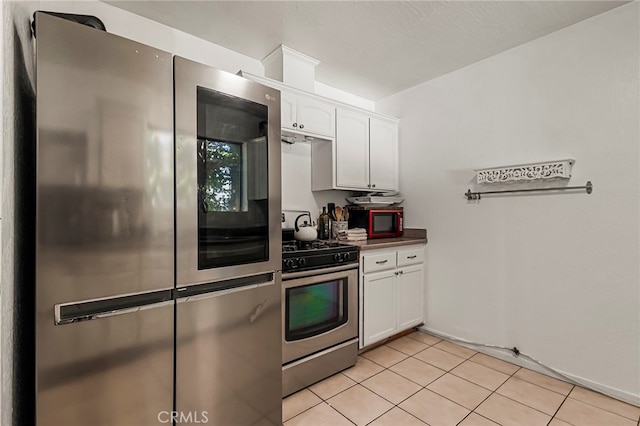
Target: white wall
x,y
3,366
555,275
296,184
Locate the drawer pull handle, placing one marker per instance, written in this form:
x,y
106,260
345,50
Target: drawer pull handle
x,y
412,257
380,262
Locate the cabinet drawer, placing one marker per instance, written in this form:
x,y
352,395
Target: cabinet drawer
x,y
410,257
378,262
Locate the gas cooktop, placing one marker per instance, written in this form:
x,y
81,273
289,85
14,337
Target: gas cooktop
x,y
288,246
308,255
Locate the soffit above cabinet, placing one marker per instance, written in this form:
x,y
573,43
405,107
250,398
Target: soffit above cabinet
x,y
301,93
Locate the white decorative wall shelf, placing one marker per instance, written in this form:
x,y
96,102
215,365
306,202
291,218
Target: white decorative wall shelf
x,y
533,171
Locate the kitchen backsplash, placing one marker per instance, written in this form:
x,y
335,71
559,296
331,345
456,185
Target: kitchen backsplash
x,y
296,184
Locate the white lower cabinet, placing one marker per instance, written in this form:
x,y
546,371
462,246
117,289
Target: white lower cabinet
x,y
392,292
379,312
410,289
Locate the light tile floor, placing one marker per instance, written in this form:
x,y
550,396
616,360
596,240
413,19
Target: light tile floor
x,y
419,379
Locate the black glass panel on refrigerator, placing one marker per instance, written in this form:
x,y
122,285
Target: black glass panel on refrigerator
x,y
233,192
314,309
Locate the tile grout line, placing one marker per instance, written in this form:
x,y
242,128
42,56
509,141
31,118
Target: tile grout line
x,y
322,400
398,404
424,387
603,409
460,356
489,396
536,384
542,387
445,373
347,418
469,358
338,393
306,409
437,378
477,384
394,405
462,378
527,405
606,396
560,406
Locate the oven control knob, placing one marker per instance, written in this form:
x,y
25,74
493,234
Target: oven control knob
x,y
288,263
345,256
301,262
336,257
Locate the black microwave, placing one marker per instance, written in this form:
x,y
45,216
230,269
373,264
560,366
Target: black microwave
x,y
380,222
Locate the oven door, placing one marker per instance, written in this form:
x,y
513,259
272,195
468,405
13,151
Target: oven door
x,y
320,310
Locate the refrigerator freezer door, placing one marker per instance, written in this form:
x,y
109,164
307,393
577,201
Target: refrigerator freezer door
x,y
104,224
229,355
113,370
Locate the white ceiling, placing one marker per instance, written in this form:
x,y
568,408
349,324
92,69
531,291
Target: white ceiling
x,y
371,48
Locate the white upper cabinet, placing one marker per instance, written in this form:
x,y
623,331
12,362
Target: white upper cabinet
x,y
308,115
352,149
288,114
383,155
366,154
355,149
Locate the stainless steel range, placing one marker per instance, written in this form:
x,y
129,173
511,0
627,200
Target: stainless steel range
x,y
320,311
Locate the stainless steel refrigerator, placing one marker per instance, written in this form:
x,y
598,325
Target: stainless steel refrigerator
x,y
157,252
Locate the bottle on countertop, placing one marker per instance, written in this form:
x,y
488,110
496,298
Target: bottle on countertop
x,y
330,208
324,225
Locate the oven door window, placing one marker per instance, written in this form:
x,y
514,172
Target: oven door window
x,y
313,309
233,213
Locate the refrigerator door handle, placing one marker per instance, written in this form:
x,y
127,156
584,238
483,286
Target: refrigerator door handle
x,y
211,294
219,288
68,313
201,296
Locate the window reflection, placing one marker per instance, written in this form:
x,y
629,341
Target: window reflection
x,y
222,188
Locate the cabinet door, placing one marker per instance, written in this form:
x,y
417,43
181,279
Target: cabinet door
x,y
352,149
316,117
288,110
383,155
379,312
410,290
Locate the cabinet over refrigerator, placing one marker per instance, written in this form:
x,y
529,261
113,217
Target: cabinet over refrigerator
x,y
158,249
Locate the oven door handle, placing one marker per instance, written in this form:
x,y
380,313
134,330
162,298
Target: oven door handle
x,y
313,272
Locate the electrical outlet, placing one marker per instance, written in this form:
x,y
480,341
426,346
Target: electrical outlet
x,y
283,220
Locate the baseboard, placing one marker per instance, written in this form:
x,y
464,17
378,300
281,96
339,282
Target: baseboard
x,y
507,355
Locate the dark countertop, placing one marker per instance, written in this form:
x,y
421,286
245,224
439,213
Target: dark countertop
x,y
411,236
